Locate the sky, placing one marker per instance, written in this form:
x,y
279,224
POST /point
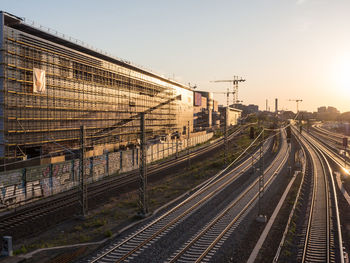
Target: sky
x,y
285,49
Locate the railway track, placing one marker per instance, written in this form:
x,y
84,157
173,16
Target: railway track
x,y
329,149
336,136
15,222
131,246
321,237
202,246
335,140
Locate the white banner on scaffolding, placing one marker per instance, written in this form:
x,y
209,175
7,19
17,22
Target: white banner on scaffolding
x,y
39,81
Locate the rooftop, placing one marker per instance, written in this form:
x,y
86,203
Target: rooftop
x,y
30,27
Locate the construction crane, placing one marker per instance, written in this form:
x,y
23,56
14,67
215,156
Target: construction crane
x,y
218,92
234,82
297,101
227,93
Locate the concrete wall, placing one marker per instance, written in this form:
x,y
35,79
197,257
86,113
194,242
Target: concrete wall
x,y
28,184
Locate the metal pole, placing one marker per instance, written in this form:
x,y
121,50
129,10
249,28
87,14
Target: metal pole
x,y
177,147
262,157
235,90
83,185
345,157
226,137
228,96
261,176
188,146
143,204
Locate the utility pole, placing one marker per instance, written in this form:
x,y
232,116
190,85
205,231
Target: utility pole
x,y
345,144
83,184
177,146
226,136
345,164
188,146
143,202
261,217
289,137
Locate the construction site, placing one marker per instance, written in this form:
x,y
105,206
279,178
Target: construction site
x,y
52,86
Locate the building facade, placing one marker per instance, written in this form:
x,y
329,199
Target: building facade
x,y
51,86
229,116
205,110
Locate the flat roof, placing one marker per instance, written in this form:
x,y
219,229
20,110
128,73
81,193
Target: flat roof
x,y
20,24
234,109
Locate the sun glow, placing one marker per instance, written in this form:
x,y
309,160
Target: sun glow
x,y
342,75
346,171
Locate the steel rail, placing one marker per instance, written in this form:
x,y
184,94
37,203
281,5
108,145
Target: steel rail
x,y
335,140
230,177
311,210
324,151
331,153
229,208
334,134
340,242
315,215
317,238
215,242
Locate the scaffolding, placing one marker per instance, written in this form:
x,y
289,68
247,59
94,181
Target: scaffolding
x,y
81,90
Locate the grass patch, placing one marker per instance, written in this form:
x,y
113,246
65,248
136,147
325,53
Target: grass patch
x,y
108,233
97,222
127,204
22,250
84,238
78,228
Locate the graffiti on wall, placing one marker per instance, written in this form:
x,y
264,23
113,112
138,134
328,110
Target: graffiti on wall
x,y
27,184
99,167
14,194
114,162
10,186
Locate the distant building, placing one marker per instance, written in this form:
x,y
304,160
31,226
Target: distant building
x,y
229,115
204,109
246,109
327,113
287,115
322,109
305,115
251,108
332,110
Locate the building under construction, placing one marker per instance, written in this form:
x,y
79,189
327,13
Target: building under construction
x,y
52,85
